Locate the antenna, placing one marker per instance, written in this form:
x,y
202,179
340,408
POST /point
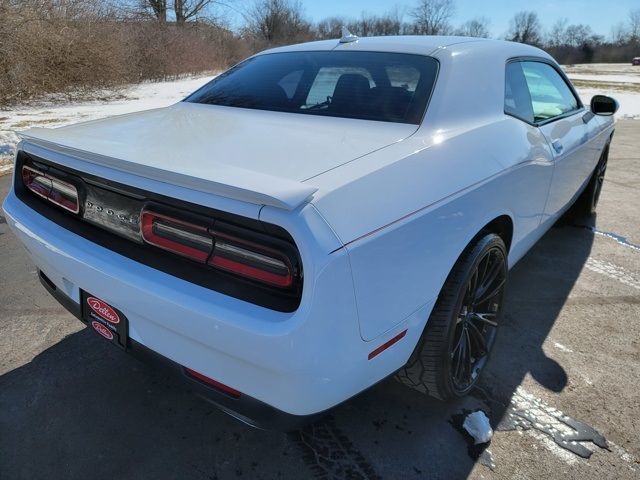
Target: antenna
x,y
347,36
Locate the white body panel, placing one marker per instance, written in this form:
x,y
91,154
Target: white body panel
x,y
380,213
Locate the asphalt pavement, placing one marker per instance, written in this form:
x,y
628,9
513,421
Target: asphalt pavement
x,y
561,389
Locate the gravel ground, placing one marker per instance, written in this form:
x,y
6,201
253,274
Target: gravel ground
x,y
561,386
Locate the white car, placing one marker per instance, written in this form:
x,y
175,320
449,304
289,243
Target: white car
x,y
317,218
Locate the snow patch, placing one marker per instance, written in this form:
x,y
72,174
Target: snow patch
x,y
53,114
477,425
559,346
613,271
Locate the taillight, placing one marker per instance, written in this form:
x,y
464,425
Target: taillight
x,y
251,260
45,185
177,236
36,181
224,251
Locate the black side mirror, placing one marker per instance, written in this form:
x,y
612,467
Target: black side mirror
x,y
603,105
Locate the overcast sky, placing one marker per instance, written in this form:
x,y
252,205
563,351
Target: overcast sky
x,y
600,15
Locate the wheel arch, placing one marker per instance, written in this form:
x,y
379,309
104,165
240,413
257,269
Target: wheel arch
x,y
501,226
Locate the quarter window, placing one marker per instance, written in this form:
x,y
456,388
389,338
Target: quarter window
x,y
517,100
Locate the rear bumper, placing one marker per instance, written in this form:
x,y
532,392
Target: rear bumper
x,y
249,410
298,364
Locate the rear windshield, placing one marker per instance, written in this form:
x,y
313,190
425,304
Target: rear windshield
x,y
389,87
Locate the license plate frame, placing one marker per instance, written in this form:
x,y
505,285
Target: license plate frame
x,y
105,319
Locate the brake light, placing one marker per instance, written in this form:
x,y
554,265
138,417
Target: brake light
x,y
177,236
250,260
218,249
47,186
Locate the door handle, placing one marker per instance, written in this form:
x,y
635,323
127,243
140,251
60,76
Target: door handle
x,y
557,146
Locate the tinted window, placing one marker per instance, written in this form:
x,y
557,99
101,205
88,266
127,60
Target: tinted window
x,y
517,100
326,81
550,94
403,76
391,87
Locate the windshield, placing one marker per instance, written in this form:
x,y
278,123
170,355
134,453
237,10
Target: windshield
x,y
390,87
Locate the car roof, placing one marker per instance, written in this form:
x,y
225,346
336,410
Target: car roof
x,y
417,44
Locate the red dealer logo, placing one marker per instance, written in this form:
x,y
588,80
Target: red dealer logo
x,y
102,330
104,310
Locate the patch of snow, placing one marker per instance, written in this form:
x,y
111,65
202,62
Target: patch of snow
x,y
144,96
629,101
606,78
477,425
613,271
559,346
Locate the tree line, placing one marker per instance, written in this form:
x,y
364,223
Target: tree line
x,y
77,47
280,21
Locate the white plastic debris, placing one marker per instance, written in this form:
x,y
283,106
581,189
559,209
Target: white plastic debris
x,y
477,425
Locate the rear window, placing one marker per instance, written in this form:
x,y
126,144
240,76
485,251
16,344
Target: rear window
x,y
390,87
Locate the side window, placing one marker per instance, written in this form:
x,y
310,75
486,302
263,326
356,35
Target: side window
x,y
326,80
550,94
517,100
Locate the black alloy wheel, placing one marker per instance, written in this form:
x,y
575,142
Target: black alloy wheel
x,y
587,202
477,321
461,330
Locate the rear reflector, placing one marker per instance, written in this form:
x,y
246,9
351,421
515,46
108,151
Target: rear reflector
x,y
386,345
212,383
177,236
47,186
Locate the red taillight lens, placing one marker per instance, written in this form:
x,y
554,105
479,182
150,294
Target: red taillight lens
x,y
59,192
251,261
219,249
177,236
36,181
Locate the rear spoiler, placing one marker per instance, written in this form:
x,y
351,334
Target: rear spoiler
x,y
235,183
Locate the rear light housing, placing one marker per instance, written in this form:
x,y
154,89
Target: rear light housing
x,y
251,260
178,236
243,258
222,246
51,188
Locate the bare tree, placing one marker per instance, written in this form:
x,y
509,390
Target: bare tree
x,y
580,35
158,8
330,27
187,9
431,17
619,33
476,27
525,28
372,25
277,21
634,24
557,36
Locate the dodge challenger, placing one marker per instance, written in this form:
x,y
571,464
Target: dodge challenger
x,y
315,219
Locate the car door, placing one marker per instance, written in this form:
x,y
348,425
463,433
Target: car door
x,y
558,113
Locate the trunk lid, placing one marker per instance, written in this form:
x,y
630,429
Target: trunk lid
x,y
250,155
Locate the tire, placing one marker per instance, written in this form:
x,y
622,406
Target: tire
x,y
587,202
434,367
